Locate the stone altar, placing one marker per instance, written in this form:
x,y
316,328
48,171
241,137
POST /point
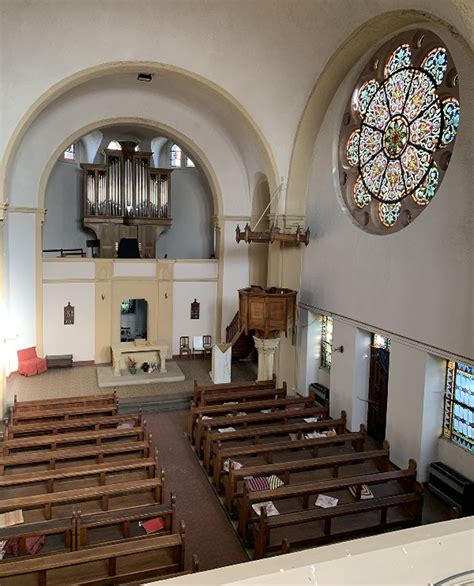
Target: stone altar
x,y
149,352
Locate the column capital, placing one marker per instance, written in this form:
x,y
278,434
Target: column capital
x,y
267,345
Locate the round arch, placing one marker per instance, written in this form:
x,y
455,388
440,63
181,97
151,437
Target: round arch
x,y
172,133
337,68
105,69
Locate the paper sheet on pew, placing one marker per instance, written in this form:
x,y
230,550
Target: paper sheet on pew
x,y
3,545
227,462
231,403
311,419
205,417
125,425
314,434
225,429
326,502
269,506
265,410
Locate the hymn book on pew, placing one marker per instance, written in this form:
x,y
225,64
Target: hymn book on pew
x,y
153,525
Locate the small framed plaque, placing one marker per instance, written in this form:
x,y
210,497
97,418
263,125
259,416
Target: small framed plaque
x,y
69,314
195,309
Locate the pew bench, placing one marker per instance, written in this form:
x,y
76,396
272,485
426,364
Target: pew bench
x,y
67,425
405,509
91,499
196,423
223,387
297,447
286,422
124,562
285,470
301,493
46,442
61,457
49,481
77,528
241,396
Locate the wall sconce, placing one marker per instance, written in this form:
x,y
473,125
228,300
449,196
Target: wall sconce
x,y
166,294
339,349
102,297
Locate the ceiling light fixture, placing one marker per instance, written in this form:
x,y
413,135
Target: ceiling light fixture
x,y
144,77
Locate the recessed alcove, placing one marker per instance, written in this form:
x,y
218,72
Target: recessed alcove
x,y
133,319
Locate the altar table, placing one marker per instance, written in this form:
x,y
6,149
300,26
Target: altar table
x,y
150,352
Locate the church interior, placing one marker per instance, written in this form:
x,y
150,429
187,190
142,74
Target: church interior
x,y
236,292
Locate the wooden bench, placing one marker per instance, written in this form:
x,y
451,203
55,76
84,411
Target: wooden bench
x,y
93,473
76,438
59,407
90,499
406,478
286,469
75,528
411,504
123,562
55,458
196,423
279,423
242,395
60,414
124,517
62,426
220,453
223,387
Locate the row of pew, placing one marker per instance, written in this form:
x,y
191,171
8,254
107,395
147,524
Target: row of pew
x,y
275,460
84,478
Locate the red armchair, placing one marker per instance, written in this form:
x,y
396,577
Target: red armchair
x,y
29,364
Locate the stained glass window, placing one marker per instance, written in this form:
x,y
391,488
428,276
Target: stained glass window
x,y
458,424
70,153
398,131
379,341
326,341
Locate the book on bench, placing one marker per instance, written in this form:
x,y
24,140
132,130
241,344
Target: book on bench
x,y
153,525
269,506
365,492
11,518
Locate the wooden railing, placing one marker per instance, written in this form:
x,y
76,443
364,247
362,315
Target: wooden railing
x,y
232,329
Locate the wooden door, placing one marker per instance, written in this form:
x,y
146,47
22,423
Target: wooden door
x,y
378,392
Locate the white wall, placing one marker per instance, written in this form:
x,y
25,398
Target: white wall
x,y
77,339
417,283
191,234
184,294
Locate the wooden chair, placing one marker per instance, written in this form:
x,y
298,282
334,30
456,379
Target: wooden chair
x,y
207,345
184,349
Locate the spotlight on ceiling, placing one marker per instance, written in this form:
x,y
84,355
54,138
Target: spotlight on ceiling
x,y
144,77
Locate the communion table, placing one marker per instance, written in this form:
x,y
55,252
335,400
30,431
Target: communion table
x,y
149,352
221,363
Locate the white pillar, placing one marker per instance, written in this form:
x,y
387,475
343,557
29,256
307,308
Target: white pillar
x,y
266,354
350,374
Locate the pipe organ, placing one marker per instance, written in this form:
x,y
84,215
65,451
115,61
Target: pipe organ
x,y
126,198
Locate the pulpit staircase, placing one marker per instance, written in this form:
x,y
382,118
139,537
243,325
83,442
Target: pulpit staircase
x,y
242,344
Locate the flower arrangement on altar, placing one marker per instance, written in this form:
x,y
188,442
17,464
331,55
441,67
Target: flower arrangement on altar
x,y
132,365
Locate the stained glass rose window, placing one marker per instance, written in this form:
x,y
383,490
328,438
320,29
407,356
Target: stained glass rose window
x,y
398,131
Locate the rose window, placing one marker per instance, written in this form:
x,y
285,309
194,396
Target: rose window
x,y
398,131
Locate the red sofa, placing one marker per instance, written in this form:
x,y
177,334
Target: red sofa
x,y
29,364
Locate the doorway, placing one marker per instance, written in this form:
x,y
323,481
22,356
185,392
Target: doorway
x,y
133,319
378,387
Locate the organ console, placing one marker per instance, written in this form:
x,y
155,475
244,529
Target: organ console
x,y
126,198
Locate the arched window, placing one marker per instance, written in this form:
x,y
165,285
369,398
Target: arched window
x,y
70,153
178,158
458,422
116,146
398,131
326,341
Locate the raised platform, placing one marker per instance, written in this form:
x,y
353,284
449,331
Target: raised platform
x,y
106,378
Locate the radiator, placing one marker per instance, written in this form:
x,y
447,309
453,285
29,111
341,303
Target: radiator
x,y
451,487
321,393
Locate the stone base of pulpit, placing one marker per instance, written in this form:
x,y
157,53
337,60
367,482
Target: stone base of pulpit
x,y
266,353
221,363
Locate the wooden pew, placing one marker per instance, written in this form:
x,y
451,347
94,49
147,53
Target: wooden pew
x,y
67,425
286,469
411,503
406,478
220,453
63,407
123,562
76,528
75,438
200,389
52,480
248,394
57,458
90,499
274,428
124,517
196,423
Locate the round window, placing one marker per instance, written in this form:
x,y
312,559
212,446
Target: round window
x,y
398,131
